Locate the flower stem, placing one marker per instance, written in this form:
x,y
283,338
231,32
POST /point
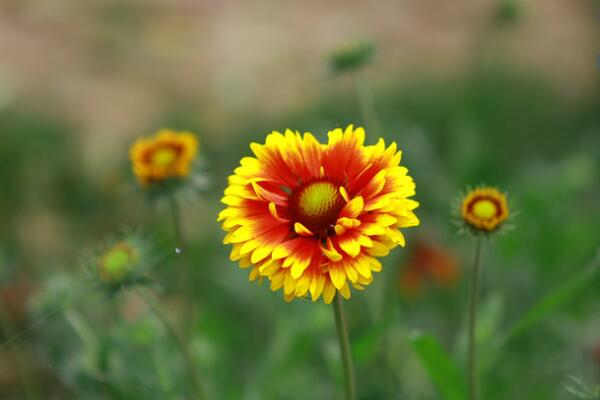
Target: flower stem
x,y
184,278
177,231
366,104
181,344
342,331
473,302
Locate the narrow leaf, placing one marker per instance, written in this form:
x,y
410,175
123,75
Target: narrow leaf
x,y
441,369
559,297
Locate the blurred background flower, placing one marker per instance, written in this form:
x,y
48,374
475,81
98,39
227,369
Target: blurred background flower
x,y
428,263
483,210
165,156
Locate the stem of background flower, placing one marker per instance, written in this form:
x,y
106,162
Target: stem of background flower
x,y
473,301
177,231
366,104
342,331
184,279
29,384
181,344
95,346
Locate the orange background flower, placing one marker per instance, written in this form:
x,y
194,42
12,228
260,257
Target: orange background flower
x,y
428,262
168,154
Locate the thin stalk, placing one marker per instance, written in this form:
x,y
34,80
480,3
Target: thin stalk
x,y
342,331
179,342
184,279
366,104
177,231
473,303
86,334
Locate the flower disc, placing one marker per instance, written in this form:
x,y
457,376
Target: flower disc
x,y
316,205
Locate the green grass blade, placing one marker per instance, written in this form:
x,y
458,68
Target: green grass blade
x,y
441,369
560,296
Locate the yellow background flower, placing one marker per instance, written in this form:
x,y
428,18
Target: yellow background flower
x,y
484,209
167,154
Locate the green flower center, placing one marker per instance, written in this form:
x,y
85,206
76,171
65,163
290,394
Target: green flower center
x,y
485,209
163,156
118,262
316,205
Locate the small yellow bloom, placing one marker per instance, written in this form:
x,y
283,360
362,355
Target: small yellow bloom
x,y
484,209
167,154
117,263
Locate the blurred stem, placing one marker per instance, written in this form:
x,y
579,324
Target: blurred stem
x,y
366,103
162,374
181,344
21,360
342,331
473,302
184,279
177,231
86,334
95,348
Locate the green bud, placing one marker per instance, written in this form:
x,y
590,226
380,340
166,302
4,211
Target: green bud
x,y
352,55
117,263
507,11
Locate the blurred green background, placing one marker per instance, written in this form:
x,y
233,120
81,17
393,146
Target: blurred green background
x,y
503,92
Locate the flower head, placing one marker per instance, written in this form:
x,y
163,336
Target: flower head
x,y
166,155
118,262
484,209
121,262
314,218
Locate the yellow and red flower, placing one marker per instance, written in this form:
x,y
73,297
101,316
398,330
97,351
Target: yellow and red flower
x,y
484,209
167,154
314,218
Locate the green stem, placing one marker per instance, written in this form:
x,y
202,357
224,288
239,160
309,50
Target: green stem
x,y
86,334
342,331
179,342
366,104
177,231
184,278
473,302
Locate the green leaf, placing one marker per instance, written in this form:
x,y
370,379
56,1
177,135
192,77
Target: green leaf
x,y
560,296
441,369
367,345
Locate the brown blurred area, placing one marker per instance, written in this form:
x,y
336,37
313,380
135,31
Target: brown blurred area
x,y
428,262
14,296
110,65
